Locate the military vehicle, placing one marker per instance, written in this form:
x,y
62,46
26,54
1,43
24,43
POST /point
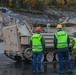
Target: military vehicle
x,y
17,40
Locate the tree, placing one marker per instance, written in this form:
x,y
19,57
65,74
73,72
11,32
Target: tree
x,y
21,3
60,2
34,4
14,3
28,4
71,2
65,1
10,2
37,4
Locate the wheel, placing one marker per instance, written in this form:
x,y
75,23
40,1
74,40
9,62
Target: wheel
x,y
49,57
28,53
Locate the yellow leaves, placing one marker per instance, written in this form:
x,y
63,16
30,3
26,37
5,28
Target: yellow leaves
x,y
71,2
43,4
46,1
34,2
60,2
10,2
26,1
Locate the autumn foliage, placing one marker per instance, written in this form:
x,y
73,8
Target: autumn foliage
x,y
37,4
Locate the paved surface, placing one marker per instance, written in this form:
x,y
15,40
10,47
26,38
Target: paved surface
x,y
10,67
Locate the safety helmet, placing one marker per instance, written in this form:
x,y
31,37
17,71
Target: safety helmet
x,y
38,29
59,26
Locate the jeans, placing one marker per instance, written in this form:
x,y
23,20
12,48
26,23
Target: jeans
x,y
37,58
60,57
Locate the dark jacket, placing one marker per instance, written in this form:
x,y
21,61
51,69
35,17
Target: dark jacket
x,y
43,43
55,40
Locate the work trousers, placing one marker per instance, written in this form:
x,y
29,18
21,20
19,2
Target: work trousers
x,y
37,58
66,57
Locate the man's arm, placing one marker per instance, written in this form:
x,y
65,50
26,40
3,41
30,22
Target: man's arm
x,y
43,43
31,44
55,42
73,43
68,40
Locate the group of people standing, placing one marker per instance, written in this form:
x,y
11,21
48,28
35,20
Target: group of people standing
x,y
61,44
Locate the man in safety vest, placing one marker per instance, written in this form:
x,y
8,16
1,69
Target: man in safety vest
x,y
61,43
38,45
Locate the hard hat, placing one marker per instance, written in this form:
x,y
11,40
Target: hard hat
x,y
59,26
38,28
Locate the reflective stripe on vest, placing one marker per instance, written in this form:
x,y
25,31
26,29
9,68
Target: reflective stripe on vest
x,y
36,43
61,37
75,42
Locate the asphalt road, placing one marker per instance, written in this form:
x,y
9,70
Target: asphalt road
x,y
10,67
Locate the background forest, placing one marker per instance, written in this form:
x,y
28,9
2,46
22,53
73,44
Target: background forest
x,y
39,5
